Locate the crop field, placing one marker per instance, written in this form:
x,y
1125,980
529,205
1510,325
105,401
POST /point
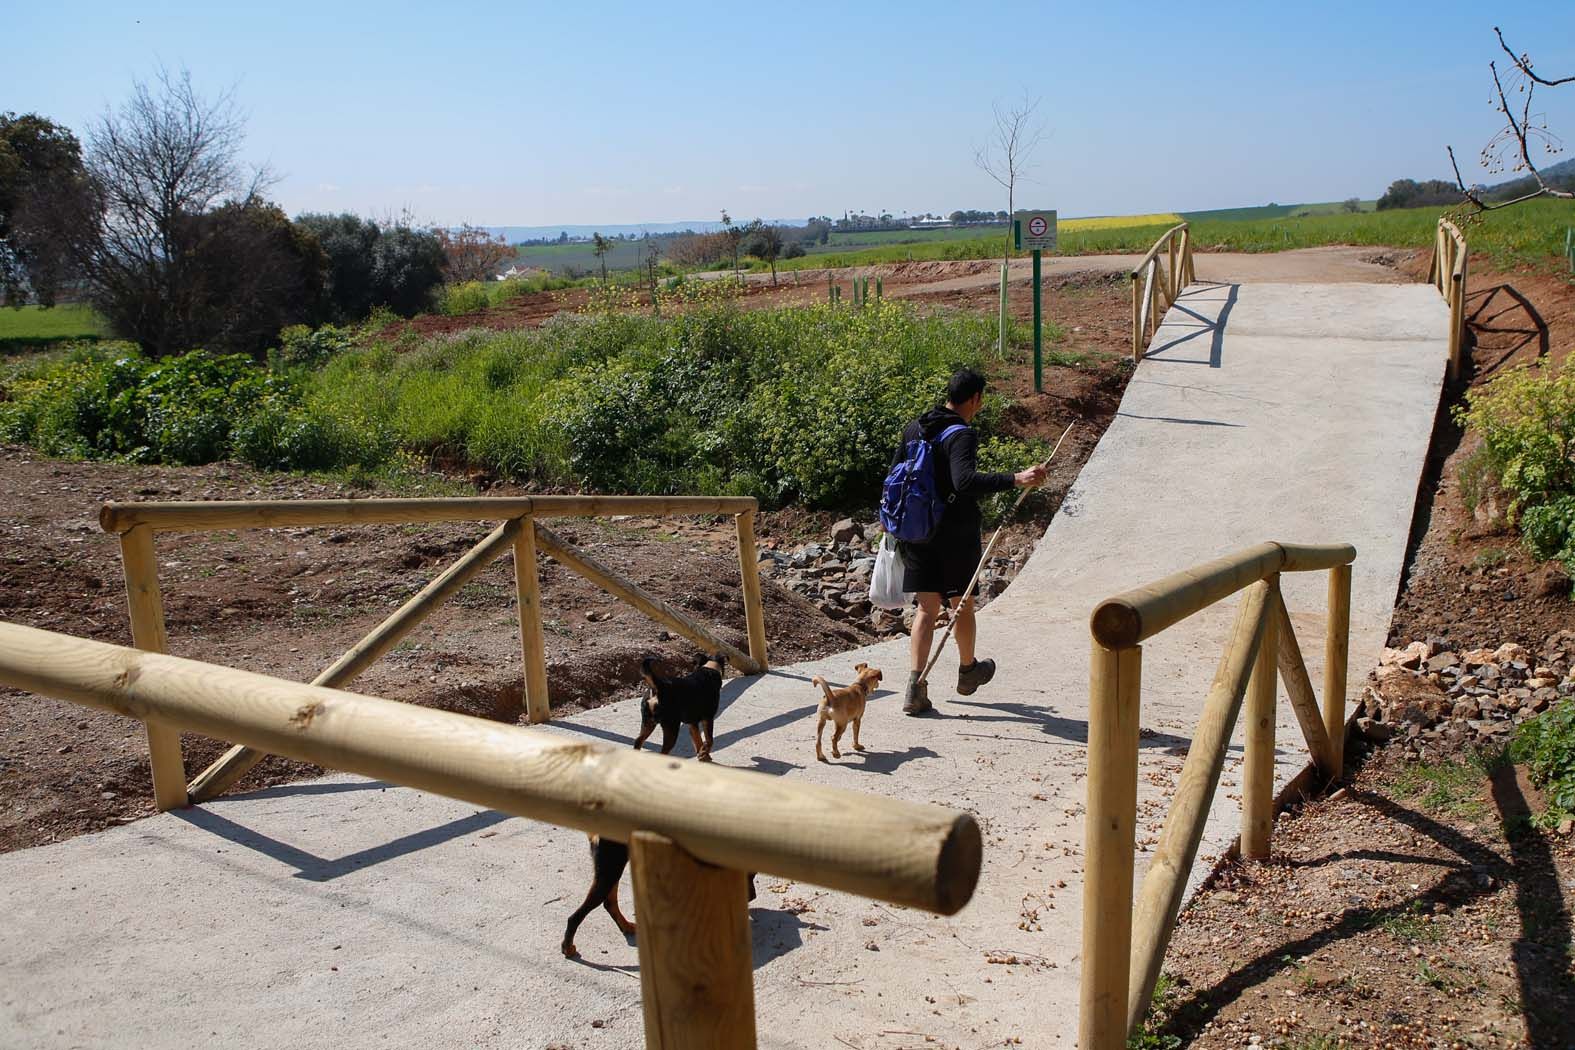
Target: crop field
x,y
1531,234
34,326
576,258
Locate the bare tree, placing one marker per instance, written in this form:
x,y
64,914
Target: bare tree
x,y
600,246
470,253
1008,152
169,190
1510,149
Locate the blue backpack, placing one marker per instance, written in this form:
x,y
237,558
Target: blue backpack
x,y
910,506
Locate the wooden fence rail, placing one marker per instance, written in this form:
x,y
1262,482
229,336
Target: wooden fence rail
x,y
1123,950
519,533
1160,282
1447,272
685,820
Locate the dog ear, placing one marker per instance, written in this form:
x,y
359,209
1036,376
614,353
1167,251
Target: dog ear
x,y
860,667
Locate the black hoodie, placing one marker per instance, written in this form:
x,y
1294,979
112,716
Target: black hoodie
x,y
956,471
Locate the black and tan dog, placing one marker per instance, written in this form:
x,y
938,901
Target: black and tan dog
x,y
690,699
608,859
842,706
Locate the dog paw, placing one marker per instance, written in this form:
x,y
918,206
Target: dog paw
x,y
821,758
706,757
570,951
858,747
835,753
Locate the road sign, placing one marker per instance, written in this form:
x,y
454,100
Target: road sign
x,y
1037,230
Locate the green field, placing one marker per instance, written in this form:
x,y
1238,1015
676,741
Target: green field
x,y
32,326
578,259
1274,211
1530,234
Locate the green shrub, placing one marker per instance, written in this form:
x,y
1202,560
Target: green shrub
x,y
311,347
1526,419
1546,744
467,298
1549,530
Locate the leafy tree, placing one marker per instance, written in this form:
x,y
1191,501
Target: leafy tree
x,y
1352,205
373,264
1408,193
41,177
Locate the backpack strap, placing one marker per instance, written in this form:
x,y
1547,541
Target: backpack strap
x,y
949,431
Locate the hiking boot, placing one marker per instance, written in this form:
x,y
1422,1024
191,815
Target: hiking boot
x,y
918,699
970,678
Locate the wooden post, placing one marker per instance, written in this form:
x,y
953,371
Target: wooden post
x,y
1336,658
533,647
1257,774
696,961
1137,321
1114,694
749,572
1172,277
1165,884
1298,688
147,632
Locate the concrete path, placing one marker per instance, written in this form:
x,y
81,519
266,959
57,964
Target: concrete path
x,y
345,913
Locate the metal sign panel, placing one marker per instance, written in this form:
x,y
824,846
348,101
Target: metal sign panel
x,y
1036,230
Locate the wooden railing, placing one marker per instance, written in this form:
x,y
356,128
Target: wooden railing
x,y
695,830
1447,272
1122,952
1155,285
520,532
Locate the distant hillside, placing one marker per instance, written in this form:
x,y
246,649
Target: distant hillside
x,y
1273,211
1560,176
580,231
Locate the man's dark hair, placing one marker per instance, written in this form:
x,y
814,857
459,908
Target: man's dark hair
x,y
964,384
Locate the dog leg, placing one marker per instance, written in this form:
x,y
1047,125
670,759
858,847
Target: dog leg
x,y
710,739
611,904
694,738
836,737
820,732
645,732
856,745
669,738
596,896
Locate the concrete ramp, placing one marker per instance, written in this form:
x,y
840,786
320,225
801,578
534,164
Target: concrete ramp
x,y
348,913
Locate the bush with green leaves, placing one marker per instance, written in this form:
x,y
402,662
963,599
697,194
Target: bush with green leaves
x,y
1546,744
300,345
1526,420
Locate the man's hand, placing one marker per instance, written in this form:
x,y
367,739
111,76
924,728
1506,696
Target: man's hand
x,y
1027,479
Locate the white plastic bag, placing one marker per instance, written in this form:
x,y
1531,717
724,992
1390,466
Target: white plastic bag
x,y
886,581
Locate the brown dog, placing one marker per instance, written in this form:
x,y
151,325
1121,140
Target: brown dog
x,y
844,705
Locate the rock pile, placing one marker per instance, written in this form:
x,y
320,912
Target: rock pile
x,y
1437,697
835,576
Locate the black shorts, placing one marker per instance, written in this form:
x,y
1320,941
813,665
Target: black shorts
x,y
943,566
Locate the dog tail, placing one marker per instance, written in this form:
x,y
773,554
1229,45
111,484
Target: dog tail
x,y
648,671
817,680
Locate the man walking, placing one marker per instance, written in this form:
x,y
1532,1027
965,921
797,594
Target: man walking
x,y
940,568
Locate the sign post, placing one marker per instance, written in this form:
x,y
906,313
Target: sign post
x,y
1036,231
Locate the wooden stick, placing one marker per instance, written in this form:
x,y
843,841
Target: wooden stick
x,y
984,559
1257,773
239,760
1336,658
1298,687
146,608
1137,324
913,854
1165,884
578,561
1114,689
1143,612
1148,256
533,646
749,573
240,514
697,974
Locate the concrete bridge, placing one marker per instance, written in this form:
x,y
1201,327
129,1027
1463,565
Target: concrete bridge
x,y
348,913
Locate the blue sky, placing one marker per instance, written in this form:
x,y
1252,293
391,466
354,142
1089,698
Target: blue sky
x,y
531,114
